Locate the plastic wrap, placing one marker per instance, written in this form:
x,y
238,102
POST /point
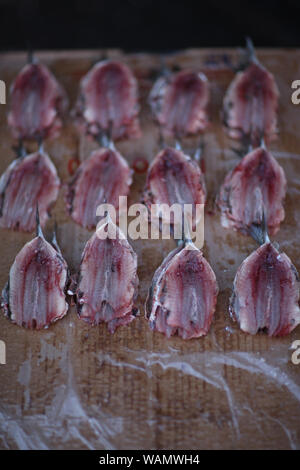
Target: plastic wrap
x,y
79,387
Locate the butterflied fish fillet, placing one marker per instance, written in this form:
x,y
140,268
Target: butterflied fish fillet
x,y
108,281
34,296
266,293
108,101
174,178
37,103
102,178
256,186
250,105
180,103
28,181
183,294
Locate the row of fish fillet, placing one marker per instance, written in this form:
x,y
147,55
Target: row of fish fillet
x,y
183,292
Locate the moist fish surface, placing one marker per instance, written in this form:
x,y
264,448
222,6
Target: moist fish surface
x,y
183,294
37,103
107,281
266,293
174,178
250,105
256,186
102,178
29,181
179,103
108,101
35,295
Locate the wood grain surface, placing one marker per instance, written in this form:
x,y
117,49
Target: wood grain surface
x,y
77,387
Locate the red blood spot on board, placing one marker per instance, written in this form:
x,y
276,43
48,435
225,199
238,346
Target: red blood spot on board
x,y
140,165
73,164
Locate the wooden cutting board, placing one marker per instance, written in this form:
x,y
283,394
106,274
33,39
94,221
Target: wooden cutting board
x,y
76,387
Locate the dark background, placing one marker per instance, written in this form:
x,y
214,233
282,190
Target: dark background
x,y
137,25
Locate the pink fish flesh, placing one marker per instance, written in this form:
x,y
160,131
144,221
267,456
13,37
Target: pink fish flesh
x,y
266,293
108,101
179,103
255,186
27,182
107,281
103,177
183,294
37,103
250,105
35,295
174,178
